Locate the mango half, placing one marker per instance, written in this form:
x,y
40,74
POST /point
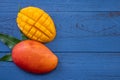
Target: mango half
x,y
36,24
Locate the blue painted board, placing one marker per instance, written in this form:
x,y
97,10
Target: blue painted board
x,y
72,66
78,31
87,41
62,5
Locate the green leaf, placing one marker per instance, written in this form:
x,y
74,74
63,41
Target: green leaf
x,y
23,36
7,57
19,8
9,40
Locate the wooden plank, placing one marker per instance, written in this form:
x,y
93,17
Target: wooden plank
x,y
87,41
62,5
76,31
72,66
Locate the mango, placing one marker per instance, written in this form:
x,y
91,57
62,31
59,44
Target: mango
x,y
36,24
32,56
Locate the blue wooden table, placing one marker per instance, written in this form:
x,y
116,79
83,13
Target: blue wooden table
x,y
87,41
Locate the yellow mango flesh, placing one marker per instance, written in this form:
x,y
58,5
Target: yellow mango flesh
x,y
36,24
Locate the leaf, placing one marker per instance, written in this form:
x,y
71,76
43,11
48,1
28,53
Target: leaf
x,y
8,40
7,57
23,36
19,8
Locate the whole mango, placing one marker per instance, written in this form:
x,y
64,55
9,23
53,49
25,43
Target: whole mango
x,y
36,24
33,56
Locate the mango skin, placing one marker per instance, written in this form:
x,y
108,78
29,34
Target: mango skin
x,y
36,24
34,57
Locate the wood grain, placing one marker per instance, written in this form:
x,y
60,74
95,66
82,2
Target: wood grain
x,y
62,5
87,41
78,31
72,66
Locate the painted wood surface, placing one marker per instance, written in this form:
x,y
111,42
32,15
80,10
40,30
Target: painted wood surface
x,y
87,41
72,66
